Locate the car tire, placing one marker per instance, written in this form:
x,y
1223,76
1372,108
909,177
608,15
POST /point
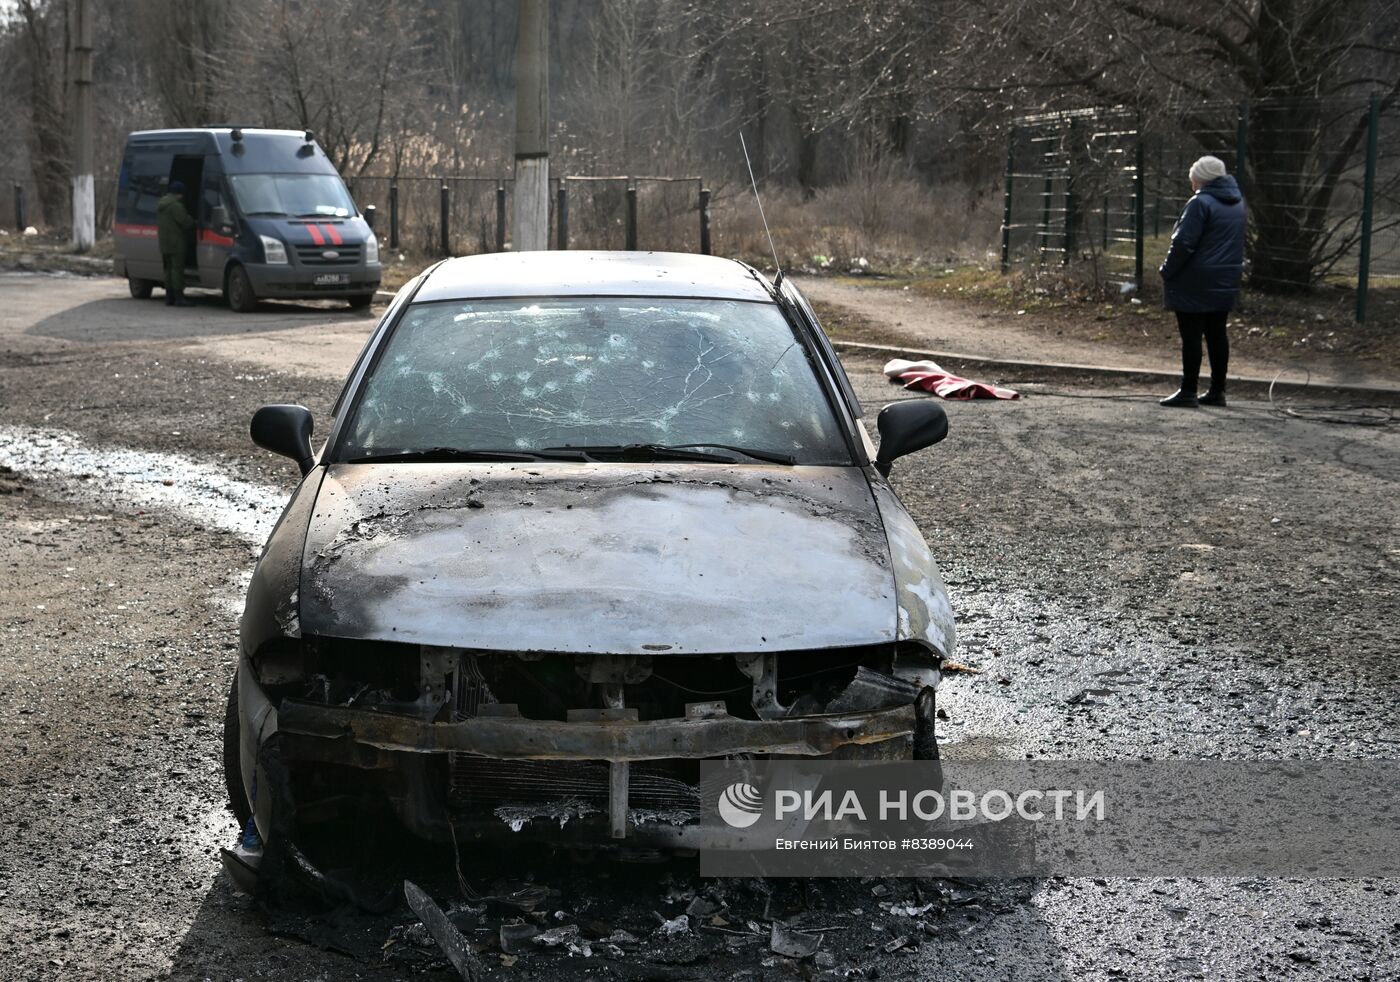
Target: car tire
x,y
140,289
233,760
238,291
361,300
925,732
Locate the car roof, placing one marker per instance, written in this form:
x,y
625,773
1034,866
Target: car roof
x,y
212,131
592,274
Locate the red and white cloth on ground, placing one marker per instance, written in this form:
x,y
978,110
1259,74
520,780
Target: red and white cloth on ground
x,y
927,375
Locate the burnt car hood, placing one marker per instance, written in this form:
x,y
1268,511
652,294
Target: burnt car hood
x,y
607,557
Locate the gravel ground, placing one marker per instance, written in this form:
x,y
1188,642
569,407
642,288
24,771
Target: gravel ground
x,y
1225,581
1262,345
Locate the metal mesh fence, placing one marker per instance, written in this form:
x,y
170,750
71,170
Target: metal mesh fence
x,y
1321,179
471,211
664,213
1071,188
21,204
661,213
667,216
599,212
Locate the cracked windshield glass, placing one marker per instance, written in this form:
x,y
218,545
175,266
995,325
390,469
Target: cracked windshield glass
x,y
522,375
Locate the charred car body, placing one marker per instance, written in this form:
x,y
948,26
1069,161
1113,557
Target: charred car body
x,y
581,521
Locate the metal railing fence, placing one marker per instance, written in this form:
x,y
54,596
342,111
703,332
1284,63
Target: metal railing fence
x,y
1321,180
460,215
436,215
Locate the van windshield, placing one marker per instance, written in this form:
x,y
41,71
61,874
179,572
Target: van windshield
x,y
292,195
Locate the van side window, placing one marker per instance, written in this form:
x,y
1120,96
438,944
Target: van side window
x,y
123,189
145,185
211,200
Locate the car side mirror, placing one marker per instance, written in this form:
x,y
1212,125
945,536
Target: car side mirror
x,y
221,219
906,427
285,430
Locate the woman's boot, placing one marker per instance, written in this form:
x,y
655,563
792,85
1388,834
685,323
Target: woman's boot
x,y
1184,397
1215,395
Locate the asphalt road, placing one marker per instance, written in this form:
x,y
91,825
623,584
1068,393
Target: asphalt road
x,y
1225,582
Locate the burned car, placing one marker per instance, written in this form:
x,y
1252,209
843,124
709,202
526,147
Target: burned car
x,y
581,521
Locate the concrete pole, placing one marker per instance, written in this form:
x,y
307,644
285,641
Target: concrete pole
x,y
531,197
84,199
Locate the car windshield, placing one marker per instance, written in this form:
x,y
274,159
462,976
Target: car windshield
x,y
292,195
534,375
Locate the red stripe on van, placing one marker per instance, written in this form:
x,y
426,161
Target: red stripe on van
x,y
334,234
214,238
135,231
316,235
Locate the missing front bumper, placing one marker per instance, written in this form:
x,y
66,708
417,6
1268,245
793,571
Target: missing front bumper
x,y
603,772
515,738
327,735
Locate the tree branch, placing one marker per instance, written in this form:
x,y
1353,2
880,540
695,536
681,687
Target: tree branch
x,y
1233,51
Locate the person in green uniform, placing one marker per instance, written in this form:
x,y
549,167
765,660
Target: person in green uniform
x,y
173,224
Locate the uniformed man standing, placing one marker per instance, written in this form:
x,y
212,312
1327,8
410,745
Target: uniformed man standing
x,y
173,224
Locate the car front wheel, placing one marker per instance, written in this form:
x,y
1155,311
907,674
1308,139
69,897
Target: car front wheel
x,y
233,760
239,291
925,732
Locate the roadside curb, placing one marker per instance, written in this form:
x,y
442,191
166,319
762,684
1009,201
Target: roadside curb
x,y
94,266
1119,371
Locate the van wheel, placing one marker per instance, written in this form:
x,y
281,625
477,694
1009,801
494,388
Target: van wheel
x,y
238,291
361,300
233,760
140,289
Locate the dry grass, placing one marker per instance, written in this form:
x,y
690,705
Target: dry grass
x,y
894,226
891,227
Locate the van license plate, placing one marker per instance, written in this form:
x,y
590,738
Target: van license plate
x,y
332,279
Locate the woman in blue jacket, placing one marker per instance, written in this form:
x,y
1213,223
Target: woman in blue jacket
x,y
1201,278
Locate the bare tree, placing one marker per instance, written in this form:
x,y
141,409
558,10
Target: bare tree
x,y
1299,66
184,46
43,28
340,70
826,91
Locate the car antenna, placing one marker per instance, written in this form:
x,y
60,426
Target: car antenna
x,y
777,280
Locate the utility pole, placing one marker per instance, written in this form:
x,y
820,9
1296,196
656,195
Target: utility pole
x,y
531,231
84,201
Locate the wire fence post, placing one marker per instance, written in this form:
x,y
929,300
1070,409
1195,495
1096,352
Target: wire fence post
x,y
1139,193
561,212
705,222
1006,202
445,218
1045,194
631,218
1157,194
1071,197
1368,202
20,223
393,216
500,217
